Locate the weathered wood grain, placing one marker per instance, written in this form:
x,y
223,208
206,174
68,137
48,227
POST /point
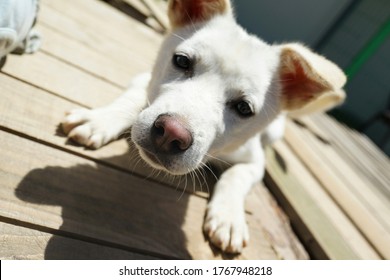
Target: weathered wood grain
x,y
97,17
90,60
275,224
141,49
357,184
60,191
158,12
340,224
322,238
360,153
20,243
62,79
140,6
373,226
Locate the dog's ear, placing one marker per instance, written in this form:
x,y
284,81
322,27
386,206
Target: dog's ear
x,y
307,77
184,12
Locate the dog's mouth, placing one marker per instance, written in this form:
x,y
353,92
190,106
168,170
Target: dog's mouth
x,y
149,156
175,165
153,160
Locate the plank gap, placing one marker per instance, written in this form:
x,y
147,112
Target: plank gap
x,y
46,90
100,77
83,238
299,227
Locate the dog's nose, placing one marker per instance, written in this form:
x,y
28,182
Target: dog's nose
x,y
170,135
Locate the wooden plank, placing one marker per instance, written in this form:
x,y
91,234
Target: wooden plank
x,y
316,230
361,154
143,10
321,235
116,27
75,53
368,223
357,185
42,70
356,181
60,78
95,201
158,12
275,224
54,189
372,151
365,158
139,6
346,229
21,243
141,52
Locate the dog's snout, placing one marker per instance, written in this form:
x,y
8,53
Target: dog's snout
x,y
170,135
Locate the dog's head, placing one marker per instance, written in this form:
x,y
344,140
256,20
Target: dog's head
x,y
214,86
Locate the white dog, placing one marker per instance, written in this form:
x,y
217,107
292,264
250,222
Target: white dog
x,y
213,92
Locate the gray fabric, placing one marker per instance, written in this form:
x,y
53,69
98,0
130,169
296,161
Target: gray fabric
x,y
17,18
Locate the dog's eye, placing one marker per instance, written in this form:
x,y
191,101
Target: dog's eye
x,y
182,61
244,108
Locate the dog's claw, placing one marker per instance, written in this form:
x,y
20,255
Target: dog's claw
x,y
91,128
226,229
95,141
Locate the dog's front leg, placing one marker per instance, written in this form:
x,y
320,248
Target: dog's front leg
x,y
95,128
225,222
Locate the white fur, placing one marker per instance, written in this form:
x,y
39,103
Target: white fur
x,y
230,65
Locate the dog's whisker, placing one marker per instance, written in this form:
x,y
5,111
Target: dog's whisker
x,y
203,175
178,182
192,22
178,36
186,182
203,170
192,178
170,178
197,173
184,189
152,174
207,184
218,159
212,172
197,179
137,160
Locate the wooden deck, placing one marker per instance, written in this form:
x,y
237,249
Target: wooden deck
x,y
61,201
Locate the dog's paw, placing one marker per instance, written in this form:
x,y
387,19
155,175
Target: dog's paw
x,y
226,227
91,128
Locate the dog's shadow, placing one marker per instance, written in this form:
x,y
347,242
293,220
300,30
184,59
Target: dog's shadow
x,y
101,205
